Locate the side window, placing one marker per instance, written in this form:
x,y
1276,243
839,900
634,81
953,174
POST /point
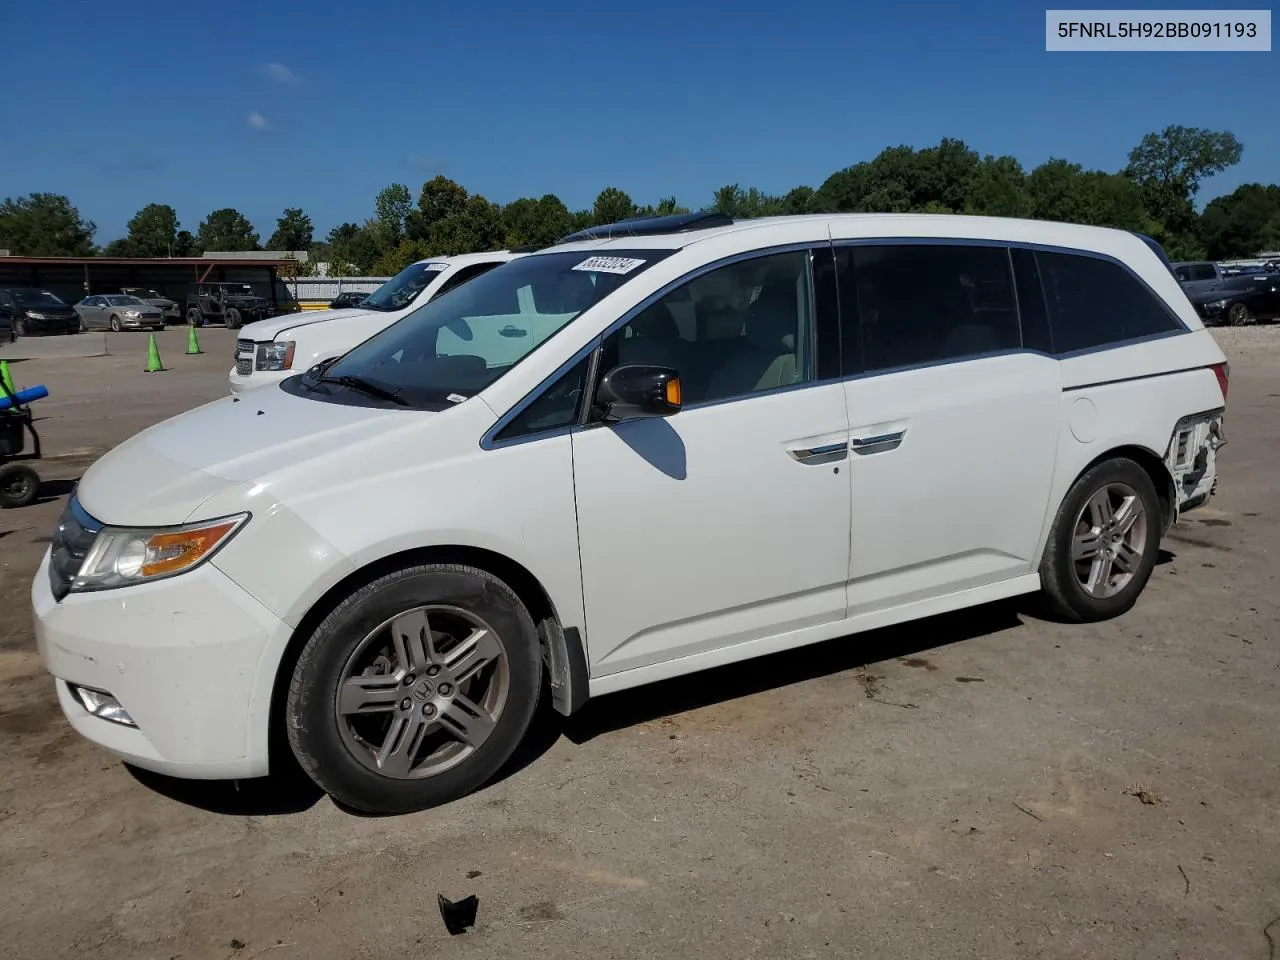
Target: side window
x,y
1204,271
905,305
462,275
556,407
1183,274
740,329
1094,302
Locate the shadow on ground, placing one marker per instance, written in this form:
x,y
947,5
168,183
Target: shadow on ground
x,y
291,791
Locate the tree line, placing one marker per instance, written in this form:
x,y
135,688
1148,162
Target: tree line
x,y
1154,194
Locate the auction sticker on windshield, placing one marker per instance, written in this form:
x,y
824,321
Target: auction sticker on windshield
x,y
435,266
609,264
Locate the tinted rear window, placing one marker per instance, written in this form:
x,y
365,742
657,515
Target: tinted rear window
x,y
1095,303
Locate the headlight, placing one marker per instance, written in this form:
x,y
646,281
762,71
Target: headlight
x,y
275,356
131,313
122,556
1217,305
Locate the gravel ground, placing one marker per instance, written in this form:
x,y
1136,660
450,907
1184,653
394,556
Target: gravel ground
x,y
975,785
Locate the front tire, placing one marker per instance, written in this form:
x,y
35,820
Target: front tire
x,y
115,324
1237,315
232,318
416,689
1103,543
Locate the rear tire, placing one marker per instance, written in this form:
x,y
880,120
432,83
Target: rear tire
x,y
194,317
19,485
1103,543
381,717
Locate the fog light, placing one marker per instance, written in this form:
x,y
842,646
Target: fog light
x,y
102,705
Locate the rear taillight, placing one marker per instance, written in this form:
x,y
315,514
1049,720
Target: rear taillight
x,y
1223,372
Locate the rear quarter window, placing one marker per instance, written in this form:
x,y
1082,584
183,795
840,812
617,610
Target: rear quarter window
x,y
1097,303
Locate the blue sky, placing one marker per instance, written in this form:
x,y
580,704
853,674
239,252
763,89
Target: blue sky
x,y
260,106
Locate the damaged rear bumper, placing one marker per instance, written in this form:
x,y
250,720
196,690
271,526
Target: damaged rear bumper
x,y
1192,459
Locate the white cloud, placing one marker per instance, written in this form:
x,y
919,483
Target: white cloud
x,y
257,121
279,73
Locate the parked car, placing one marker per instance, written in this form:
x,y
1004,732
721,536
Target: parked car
x,y
1199,276
351,298
25,311
1245,299
169,308
118,311
231,304
268,352
655,448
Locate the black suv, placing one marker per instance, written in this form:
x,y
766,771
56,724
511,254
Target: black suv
x,y
233,304
30,310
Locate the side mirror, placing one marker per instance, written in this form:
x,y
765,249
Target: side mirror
x,y
635,391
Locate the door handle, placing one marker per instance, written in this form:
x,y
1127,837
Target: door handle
x,y
880,443
827,453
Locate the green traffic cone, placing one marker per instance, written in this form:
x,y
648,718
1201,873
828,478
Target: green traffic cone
x,y
193,342
153,357
4,375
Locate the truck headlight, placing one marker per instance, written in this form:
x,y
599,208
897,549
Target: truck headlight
x,y
122,556
275,356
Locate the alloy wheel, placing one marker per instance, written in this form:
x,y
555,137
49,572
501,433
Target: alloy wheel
x,y
422,692
1109,538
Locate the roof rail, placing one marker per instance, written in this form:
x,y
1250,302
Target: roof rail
x,y
650,226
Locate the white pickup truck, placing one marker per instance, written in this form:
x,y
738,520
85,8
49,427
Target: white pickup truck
x,y
272,350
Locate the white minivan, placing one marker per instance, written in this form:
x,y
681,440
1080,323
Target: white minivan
x,y
268,351
657,447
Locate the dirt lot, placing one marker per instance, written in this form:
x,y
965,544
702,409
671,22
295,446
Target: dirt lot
x,y
985,785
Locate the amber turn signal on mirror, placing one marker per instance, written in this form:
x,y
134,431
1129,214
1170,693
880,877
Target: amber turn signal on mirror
x,y
635,391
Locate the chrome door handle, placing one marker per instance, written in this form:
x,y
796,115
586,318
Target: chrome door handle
x,y
827,453
878,444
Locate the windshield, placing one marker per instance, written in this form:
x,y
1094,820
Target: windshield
x,y
462,341
123,301
140,292
35,298
400,290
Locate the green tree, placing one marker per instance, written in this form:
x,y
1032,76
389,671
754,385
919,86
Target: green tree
x,y
1243,223
612,205
226,229
440,198
45,225
392,261
392,207
352,245
998,188
293,231
153,232
476,226
538,222
1169,167
184,245
798,200
1064,191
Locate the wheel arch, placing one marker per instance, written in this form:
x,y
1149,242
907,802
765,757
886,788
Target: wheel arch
x,y
563,651
1154,466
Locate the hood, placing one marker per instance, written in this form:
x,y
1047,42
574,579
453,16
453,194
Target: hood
x,y
160,302
267,330
50,309
163,475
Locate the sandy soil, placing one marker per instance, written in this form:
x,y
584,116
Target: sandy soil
x,y
982,785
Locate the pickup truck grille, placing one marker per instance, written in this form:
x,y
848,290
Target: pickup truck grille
x,y
244,365
71,543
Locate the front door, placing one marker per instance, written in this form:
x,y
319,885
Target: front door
x,y
728,522
953,422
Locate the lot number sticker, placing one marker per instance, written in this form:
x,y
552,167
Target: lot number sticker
x,y
609,264
433,267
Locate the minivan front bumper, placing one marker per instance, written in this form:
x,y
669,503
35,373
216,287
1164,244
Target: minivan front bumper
x,y
184,658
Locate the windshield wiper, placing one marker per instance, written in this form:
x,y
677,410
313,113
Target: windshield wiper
x,y
365,386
